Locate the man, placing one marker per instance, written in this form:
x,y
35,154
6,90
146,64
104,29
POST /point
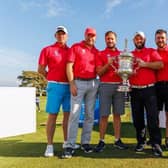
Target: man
x,y
108,94
54,57
38,101
143,94
162,76
83,86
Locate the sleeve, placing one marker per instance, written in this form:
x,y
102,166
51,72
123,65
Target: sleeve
x,y
99,61
155,55
43,57
71,54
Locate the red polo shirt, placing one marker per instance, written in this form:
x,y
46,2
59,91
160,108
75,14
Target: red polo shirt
x,y
84,60
162,74
102,59
55,58
145,76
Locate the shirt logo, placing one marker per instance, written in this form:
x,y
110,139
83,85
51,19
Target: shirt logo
x,y
108,55
83,51
56,53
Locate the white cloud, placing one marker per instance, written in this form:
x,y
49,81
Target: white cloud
x,y
51,8
12,63
30,4
110,4
55,8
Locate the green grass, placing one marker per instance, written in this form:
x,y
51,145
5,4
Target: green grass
x,y
26,151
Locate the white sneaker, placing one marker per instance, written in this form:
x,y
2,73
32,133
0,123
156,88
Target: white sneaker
x,y
76,146
49,151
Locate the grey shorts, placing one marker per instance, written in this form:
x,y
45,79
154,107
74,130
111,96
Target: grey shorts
x,y
110,98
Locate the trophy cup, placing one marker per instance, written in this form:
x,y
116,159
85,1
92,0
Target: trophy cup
x,y
125,68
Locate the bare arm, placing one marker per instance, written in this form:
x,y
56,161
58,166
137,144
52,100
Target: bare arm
x,y
153,65
70,75
69,71
42,70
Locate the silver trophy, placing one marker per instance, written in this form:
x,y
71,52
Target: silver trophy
x,y
125,63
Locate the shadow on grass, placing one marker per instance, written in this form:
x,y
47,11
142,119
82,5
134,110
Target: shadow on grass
x,y
20,148
111,152
17,148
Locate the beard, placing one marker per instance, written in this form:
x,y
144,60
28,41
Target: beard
x,y
140,46
161,45
111,46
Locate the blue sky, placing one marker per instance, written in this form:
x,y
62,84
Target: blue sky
x,y
29,25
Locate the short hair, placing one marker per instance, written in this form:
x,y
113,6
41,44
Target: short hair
x,y
159,31
110,32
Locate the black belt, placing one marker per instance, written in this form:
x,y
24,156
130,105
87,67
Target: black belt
x,y
142,86
84,79
162,83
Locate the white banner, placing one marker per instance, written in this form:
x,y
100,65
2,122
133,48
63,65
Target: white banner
x,y
17,111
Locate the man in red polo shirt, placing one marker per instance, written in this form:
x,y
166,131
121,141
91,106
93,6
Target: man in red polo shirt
x,y
54,58
162,75
81,74
108,94
143,94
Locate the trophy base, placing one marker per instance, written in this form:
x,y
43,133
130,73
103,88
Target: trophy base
x,y
124,88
